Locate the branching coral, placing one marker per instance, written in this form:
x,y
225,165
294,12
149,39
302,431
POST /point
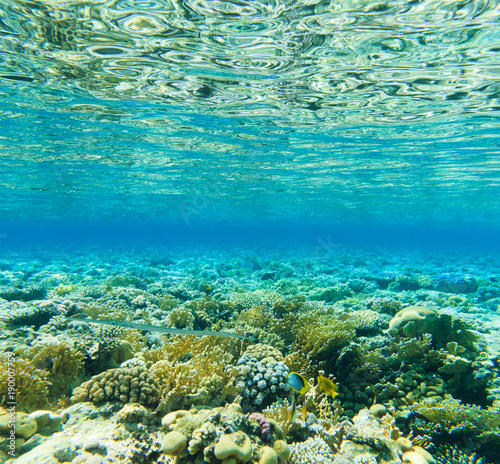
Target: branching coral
x,y
181,318
282,414
257,316
64,362
456,416
194,371
32,384
134,385
320,334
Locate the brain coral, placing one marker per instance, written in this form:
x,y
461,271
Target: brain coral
x,y
127,385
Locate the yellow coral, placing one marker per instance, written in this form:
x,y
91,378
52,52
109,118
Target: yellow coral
x,y
62,360
283,415
180,318
319,334
193,371
32,384
257,316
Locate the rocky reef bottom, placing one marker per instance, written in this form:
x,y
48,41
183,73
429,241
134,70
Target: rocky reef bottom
x,y
322,356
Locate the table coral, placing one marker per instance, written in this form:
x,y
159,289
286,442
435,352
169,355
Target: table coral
x,y
30,314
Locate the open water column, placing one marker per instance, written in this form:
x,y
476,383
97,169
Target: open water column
x,y
249,231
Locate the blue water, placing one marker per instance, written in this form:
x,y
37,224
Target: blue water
x,y
188,113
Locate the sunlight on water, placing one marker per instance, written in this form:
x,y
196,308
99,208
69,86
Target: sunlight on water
x,y
230,109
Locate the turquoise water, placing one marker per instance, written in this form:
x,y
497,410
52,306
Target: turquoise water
x,y
293,171
248,111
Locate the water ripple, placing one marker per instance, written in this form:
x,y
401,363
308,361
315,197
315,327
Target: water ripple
x,y
342,62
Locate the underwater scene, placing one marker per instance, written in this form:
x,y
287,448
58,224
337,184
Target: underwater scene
x,y
249,231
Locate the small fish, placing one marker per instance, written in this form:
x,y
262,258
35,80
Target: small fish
x,y
298,382
155,328
304,412
292,413
327,386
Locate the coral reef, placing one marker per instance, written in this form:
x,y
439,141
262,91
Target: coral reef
x,y
23,293
36,314
134,385
416,342
31,384
311,451
194,371
448,454
261,382
458,417
221,434
62,360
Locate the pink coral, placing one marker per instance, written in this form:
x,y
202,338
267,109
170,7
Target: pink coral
x,y
264,423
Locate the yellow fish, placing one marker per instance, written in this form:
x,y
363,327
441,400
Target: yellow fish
x,y
298,382
328,386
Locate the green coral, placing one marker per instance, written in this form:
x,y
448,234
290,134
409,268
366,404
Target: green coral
x,y
459,417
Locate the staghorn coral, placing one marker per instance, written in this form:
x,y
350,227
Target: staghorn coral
x,y
134,385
